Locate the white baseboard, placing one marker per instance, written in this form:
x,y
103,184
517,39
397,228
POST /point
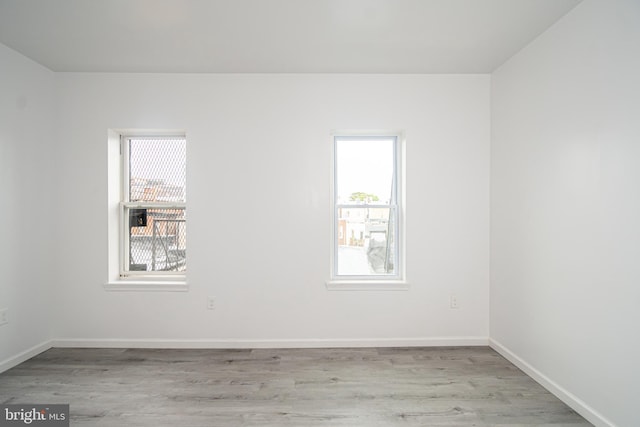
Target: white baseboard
x,y
9,363
292,343
561,393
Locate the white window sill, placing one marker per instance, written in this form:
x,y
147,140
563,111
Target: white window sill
x,y
367,285
147,286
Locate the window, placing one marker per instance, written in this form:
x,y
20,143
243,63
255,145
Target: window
x,y
367,208
153,240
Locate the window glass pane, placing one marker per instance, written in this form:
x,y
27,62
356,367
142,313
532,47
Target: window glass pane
x,y
366,241
157,239
157,169
365,170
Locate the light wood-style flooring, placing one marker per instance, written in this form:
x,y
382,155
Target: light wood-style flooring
x,y
368,387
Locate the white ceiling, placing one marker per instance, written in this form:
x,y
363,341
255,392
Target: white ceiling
x,y
275,36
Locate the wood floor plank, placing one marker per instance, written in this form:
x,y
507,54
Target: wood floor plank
x,y
286,387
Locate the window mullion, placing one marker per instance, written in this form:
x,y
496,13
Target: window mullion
x,y
154,205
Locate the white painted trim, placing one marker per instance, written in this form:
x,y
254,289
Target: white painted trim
x,y
284,343
138,286
11,362
367,285
574,402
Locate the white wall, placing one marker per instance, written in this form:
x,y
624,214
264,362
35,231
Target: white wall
x,y
26,143
259,217
565,208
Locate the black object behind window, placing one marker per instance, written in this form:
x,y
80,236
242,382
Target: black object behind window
x,y
138,218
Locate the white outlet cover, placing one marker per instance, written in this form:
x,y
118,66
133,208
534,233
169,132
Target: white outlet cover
x,y
454,301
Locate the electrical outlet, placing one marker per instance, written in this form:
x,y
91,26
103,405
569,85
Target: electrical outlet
x,y
453,301
211,303
4,316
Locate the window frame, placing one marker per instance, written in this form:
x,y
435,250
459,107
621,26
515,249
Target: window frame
x,y
396,281
125,205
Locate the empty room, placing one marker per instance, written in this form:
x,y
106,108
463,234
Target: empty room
x,y
320,212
